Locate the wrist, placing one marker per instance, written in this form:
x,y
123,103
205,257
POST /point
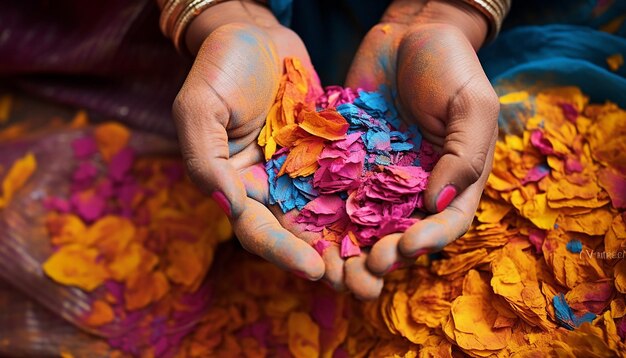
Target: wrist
x,y
454,13
466,18
228,12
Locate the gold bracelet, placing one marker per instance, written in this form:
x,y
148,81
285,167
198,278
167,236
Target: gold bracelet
x,y
176,15
494,10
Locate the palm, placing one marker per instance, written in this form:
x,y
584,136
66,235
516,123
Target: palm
x,y
443,89
220,112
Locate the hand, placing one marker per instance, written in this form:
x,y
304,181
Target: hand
x,y
219,113
427,51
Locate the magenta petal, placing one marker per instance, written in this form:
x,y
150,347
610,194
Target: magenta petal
x,y
536,237
573,165
85,173
341,165
348,248
88,206
615,185
321,212
57,204
570,113
84,148
324,310
540,142
535,174
321,245
121,163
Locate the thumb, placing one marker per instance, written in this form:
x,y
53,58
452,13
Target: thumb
x,y
444,88
471,124
201,117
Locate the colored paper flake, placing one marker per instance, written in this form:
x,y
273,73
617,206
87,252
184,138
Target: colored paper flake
x,y
139,238
566,316
84,147
350,246
303,335
574,246
17,176
615,61
358,152
497,291
101,313
111,137
75,265
615,185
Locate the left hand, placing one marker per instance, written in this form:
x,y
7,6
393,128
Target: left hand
x,y
427,51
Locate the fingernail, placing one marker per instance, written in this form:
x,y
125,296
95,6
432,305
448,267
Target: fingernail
x,y
396,265
420,252
223,203
445,197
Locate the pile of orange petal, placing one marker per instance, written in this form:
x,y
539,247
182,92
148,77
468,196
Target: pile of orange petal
x,y
550,226
144,268
293,122
541,271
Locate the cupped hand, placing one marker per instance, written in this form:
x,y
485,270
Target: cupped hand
x,y
426,50
219,112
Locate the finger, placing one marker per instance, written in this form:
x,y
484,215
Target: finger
x,y
334,275
333,263
384,256
260,233
460,106
200,117
469,137
436,231
359,280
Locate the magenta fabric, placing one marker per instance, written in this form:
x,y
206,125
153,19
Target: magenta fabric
x,y
106,56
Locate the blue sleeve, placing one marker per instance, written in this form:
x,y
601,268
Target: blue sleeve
x,y
282,9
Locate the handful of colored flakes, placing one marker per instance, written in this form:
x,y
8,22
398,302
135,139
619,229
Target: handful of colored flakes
x,y
346,162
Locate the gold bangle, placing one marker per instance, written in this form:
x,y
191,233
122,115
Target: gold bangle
x,y
494,10
169,15
176,15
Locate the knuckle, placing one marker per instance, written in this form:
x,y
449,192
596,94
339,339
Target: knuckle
x,y
246,245
473,167
179,106
196,171
461,221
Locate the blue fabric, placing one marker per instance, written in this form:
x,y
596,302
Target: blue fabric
x,y
282,9
541,56
544,42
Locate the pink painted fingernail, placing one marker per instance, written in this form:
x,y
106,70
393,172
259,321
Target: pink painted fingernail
x,y
223,203
395,266
445,197
420,252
